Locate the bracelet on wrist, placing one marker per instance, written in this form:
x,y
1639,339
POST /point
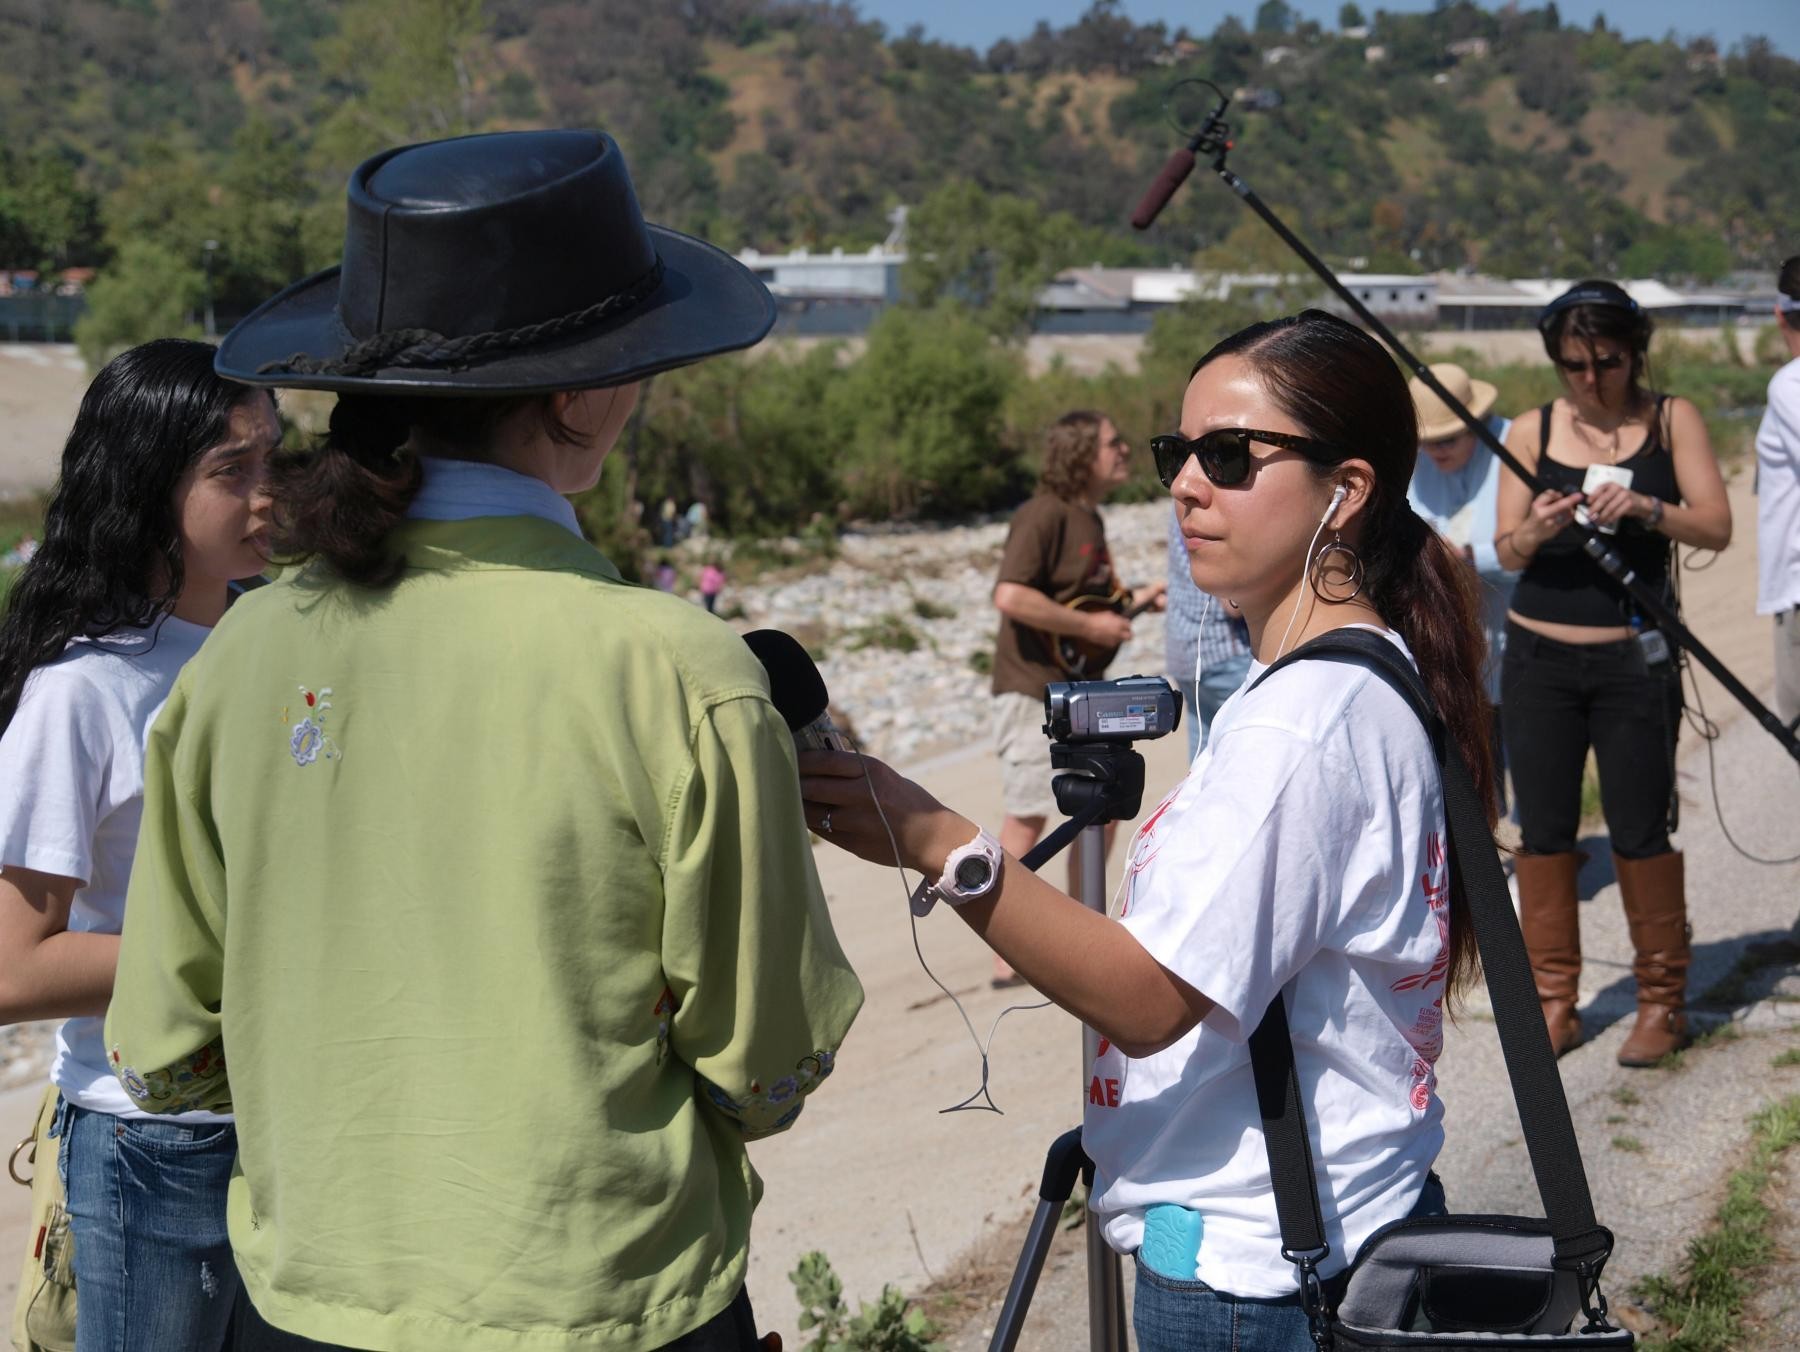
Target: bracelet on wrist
x,y
1656,513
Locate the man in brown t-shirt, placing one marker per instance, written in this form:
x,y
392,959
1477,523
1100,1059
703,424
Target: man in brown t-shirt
x,y
1055,552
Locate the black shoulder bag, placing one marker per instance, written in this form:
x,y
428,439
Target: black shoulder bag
x,y
1442,1282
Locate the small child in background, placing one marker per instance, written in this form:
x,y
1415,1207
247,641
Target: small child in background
x,y
712,582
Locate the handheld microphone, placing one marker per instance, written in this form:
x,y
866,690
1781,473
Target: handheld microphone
x,y
797,690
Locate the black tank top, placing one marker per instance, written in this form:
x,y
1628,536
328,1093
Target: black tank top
x,y
1561,584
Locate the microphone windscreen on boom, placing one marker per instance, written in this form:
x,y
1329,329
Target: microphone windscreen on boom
x,y
796,689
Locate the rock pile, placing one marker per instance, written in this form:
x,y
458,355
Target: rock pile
x,y
903,625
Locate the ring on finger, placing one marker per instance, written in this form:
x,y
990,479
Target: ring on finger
x,y
825,824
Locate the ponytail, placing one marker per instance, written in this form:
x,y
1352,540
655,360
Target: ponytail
x,y
341,501
1429,594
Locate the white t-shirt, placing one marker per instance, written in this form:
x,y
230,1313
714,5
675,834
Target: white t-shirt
x,y
71,797
1304,850
1778,495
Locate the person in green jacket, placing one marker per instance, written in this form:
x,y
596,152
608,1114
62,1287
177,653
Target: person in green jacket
x,y
474,880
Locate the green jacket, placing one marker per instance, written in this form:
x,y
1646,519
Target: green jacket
x,y
487,905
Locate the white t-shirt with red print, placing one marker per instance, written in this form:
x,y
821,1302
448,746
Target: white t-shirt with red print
x,y
1304,851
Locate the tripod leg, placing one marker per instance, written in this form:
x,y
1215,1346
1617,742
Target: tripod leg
x,y
1106,1292
1106,1288
1062,1166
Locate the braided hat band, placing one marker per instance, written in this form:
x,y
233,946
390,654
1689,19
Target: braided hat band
x,y
414,348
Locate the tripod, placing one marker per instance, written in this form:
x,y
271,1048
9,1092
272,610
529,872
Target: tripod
x,y
1100,782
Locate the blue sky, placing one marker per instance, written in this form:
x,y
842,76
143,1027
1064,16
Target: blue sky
x,y
979,25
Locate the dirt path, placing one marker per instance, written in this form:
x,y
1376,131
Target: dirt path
x,y
41,385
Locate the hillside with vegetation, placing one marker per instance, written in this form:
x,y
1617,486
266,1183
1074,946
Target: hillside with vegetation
x,y
139,132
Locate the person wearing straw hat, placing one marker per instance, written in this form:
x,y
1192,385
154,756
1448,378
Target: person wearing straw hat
x,y
473,879
1455,487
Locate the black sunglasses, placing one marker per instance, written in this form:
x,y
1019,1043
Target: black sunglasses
x,y
1608,363
1224,453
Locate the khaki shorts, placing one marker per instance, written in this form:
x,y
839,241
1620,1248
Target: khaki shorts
x,y
1024,753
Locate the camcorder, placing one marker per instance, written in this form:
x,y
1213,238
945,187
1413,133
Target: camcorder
x,y
1129,709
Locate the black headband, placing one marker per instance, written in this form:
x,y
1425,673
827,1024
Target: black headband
x,y
1607,295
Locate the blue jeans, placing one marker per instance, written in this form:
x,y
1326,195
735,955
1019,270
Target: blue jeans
x,y
1169,1315
153,1265
1218,683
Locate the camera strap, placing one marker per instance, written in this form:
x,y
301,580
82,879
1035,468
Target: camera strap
x,y
1582,1245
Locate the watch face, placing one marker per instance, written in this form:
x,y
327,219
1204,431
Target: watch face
x,y
973,873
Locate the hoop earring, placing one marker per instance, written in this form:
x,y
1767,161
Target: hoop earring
x,y
1328,578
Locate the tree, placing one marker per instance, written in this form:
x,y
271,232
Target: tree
x,y
1274,17
1350,16
48,220
147,291
921,417
263,200
990,253
398,71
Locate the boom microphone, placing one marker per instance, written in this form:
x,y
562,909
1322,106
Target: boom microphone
x,y
797,690
1174,173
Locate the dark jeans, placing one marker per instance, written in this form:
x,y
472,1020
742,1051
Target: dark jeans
x,y
1169,1315
733,1329
1556,700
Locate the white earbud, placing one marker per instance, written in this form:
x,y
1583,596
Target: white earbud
x,y
1336,499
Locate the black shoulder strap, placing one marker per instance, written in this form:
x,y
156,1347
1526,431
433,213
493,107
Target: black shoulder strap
x,y
1530,1063
1543,429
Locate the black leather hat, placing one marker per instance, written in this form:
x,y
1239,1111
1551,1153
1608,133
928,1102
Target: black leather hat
x,y
510,263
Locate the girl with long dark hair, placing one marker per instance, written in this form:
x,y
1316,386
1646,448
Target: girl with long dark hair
x,y
1302,857
1585,667
160,507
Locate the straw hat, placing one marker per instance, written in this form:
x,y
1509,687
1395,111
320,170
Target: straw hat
x,y
1437,420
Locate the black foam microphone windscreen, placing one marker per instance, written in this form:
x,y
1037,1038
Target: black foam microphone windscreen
x,y
796,689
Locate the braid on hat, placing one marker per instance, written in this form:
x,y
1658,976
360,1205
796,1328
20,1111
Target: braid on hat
x,y
405,348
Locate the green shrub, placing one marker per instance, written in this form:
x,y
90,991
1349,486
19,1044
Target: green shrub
x,y
888,631
890,1325
920,417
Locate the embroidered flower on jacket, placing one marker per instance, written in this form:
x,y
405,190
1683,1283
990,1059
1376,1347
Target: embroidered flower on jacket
x,y
309,740
308,736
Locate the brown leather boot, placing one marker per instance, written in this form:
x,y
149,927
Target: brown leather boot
x,y
1552,928
1656,910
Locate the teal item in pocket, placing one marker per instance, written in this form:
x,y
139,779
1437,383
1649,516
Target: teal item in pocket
x,y
1171,1245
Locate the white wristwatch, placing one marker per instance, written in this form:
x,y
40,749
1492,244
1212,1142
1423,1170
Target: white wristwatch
x,y
970,873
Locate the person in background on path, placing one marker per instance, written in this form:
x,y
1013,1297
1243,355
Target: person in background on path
x,y
162,504
712,582
1778,501
697,527
1585,667
665,523
1456,488
665,576
1207,643
1055,553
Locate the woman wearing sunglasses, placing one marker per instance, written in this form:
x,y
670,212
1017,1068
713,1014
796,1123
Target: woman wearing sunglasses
x,y
1585,667
1301,857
